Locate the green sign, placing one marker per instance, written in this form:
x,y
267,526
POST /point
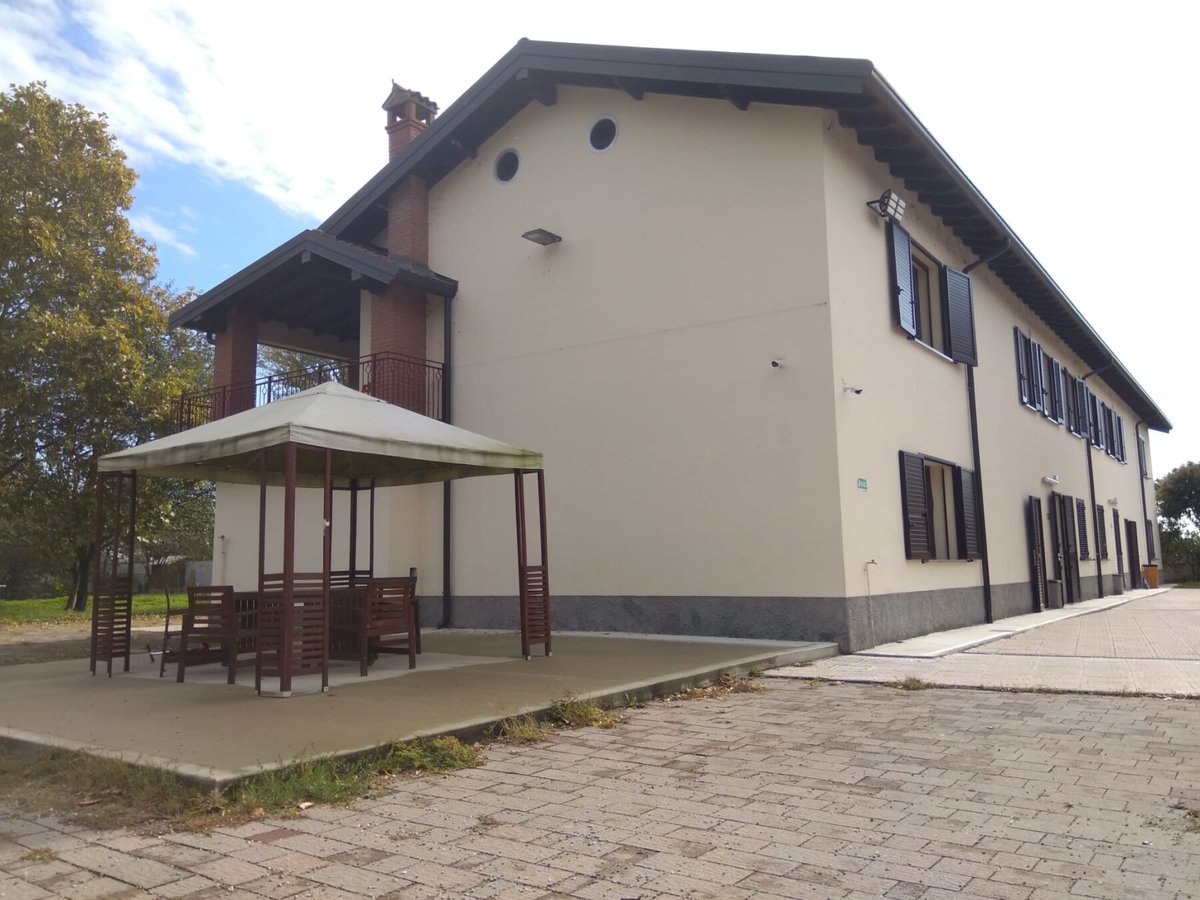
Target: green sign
x,y
862,484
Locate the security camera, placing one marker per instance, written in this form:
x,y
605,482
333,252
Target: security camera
x,y
855,390
776,364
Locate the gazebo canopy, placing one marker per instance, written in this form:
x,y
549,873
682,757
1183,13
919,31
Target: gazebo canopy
x,y
370,439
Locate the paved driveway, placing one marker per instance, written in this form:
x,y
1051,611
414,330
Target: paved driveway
x,y
1149,645
805,790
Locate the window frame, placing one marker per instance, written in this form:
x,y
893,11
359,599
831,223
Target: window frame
x,y
960,509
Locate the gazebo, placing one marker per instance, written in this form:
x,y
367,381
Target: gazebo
x,y
329,437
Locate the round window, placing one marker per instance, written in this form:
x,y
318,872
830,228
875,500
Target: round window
x,y
507,164
603,133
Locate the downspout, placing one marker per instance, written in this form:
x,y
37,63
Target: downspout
x,y
1143,463
979,504
1087,443
447,407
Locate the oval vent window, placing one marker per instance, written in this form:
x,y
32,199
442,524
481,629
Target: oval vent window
x,y
507,164
603,133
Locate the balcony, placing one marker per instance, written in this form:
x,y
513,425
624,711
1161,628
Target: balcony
x,y
406,381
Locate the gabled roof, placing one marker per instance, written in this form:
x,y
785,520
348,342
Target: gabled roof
x,y
342,265
370,439
862,98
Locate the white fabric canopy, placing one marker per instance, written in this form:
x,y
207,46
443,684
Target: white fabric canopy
x,y
369,439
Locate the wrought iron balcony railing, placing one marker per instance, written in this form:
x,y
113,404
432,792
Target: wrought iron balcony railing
x,y
406,381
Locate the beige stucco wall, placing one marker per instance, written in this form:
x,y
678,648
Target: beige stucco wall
x,y
636,354
915,400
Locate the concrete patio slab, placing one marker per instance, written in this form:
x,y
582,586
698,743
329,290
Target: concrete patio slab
x,y
216,733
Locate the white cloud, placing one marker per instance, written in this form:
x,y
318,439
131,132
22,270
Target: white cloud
x,y
145,224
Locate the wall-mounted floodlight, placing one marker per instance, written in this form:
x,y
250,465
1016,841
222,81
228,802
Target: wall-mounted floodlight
x,y
888,206
1050,479
542,236
1113,501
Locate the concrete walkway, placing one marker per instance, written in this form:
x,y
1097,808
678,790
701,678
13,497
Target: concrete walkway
x,y
214,732
1147,642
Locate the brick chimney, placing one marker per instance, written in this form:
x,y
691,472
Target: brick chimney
x,y
408,114
398,315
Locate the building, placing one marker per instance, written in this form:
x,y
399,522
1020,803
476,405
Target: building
x,y
767,409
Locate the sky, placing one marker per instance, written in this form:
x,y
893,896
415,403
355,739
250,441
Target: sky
x,y
250,121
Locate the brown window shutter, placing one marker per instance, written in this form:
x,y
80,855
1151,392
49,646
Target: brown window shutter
x,y
1022,365
1081,518
900,265
913,501
966,513
960,313
1101,534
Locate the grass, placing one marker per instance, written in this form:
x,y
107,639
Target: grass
x,y
522,730
106,793
912,683
40,855
581,713
50,610
726,684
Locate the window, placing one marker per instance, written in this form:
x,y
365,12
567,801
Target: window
x,y
507,164
1095,427
1101,533
1053,402
603,133
1031,371
1149,541
1081,519
931,329
940,509
1070,402
1141,445
932,302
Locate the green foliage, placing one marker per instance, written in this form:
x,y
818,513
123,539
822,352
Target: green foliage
x,y
1180,549
1179,497
581,713
87,365
522,730
53,611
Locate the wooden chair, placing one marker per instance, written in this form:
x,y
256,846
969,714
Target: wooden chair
x,y
389,620
174,611
209,620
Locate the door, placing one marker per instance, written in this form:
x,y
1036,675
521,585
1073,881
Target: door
x,y
1135,563
1037,553
1068,544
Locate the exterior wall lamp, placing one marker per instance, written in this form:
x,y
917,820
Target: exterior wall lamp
x,y
542,236
888,206
1050,479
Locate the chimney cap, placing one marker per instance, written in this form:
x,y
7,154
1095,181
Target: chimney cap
x,y
401,95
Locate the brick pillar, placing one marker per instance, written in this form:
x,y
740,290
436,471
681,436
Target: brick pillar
x,y
235,363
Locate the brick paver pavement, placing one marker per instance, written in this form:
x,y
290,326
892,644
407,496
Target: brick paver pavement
x,y
804,790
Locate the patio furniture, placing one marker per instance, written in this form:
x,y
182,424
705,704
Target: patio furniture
x,y
384,622
293,629
209,620
174,612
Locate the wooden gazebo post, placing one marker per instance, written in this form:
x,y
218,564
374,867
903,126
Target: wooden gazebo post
x,y
533,581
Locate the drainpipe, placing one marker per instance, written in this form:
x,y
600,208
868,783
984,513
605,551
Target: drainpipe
x,y
447,396
1136,578
1087,443
979,504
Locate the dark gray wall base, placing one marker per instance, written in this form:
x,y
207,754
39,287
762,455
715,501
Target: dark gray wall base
x,y
854,623
884,618
768,618
1012,600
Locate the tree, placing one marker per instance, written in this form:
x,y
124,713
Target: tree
x,y
175,522
1178,495
87,364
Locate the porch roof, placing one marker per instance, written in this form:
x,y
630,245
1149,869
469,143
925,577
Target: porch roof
x,y
371,439
311,281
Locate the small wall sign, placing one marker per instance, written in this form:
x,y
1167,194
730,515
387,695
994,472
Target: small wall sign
x,y
862,484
